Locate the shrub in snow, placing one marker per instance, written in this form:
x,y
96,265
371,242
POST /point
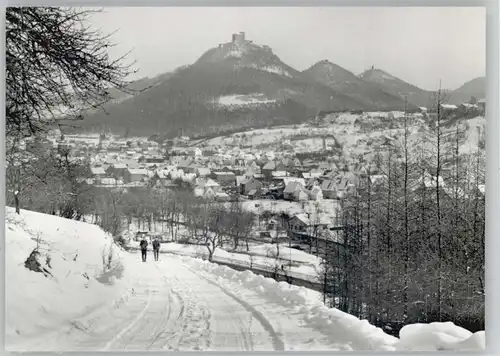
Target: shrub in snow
x,y
33,263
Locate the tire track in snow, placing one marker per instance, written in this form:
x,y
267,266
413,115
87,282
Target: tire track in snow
x,y
278,344
132,324
188,326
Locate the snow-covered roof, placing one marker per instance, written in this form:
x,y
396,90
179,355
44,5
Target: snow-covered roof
x,y
288,180
97,170
203,170
206,183
108,181
279,173
225,173
303,218
241,180
211,183
292,187
269,166
138,171
469,106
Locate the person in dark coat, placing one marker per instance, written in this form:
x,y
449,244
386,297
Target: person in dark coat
x,y
156,248
144,249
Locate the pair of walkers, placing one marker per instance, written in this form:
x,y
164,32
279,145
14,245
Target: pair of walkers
x,y
144,249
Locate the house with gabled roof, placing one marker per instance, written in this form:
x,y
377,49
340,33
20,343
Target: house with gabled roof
x,y
251,186
279,174
312,182
315,193
192,167
287,180
241,179
97,172
224,177
481,103
117,170
329,189
326,166
222,196
313,173
207,183
206,193
108,181
301,195
135,175
203,172
184,164
268,168
292,190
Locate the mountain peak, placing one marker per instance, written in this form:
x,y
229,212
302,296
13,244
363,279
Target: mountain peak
x,y
244,53
396,86
342,80
376,75
330,73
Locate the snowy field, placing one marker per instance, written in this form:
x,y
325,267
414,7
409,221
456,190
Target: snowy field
x,y
177,303
244,100
306,138
327,208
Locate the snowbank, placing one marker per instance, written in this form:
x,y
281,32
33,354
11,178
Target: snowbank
x,y
260,256
439,336
339,326
78,284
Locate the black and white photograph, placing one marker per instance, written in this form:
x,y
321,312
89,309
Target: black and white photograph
x,y
245,178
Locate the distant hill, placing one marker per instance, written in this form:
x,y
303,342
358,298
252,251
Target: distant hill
x,y
398,87
348,83
237,84
473,88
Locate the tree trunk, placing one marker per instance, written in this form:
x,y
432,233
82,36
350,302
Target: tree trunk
x,y
438,207
17,203
407,235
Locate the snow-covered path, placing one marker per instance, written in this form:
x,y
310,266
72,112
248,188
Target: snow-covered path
x,y
174,307
99,297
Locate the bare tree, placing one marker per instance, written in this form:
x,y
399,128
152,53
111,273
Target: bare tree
x,y
210,226
56,64
240,224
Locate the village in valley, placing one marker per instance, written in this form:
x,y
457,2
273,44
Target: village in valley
x,y
294,178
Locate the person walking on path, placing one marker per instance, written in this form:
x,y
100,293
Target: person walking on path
x,y
144,249
156,248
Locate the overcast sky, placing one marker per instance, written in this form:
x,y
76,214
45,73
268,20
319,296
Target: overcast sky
x,y
418,45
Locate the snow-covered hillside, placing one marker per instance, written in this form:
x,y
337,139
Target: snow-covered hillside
x,y
73,253
177,303
358,134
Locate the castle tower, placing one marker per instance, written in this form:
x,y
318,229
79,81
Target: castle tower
x,y
239,37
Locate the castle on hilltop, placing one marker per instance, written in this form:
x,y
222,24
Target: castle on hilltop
x,y
239,38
